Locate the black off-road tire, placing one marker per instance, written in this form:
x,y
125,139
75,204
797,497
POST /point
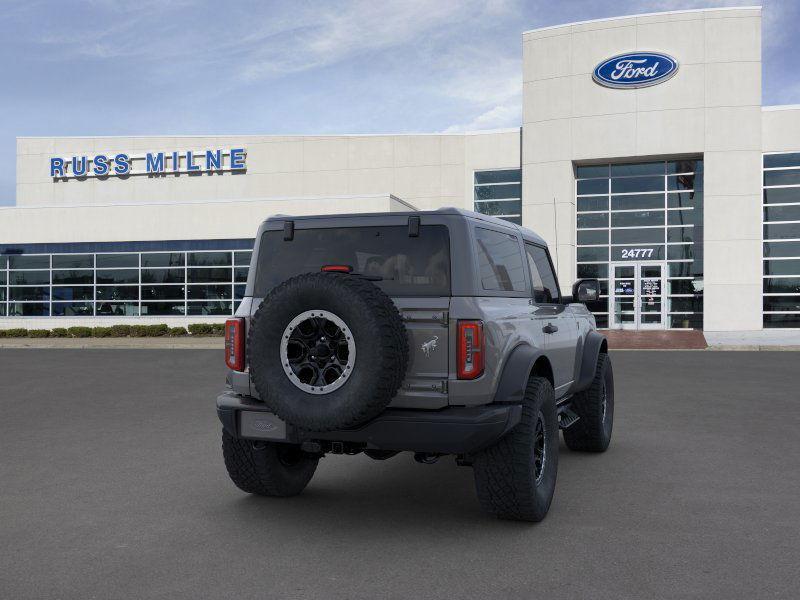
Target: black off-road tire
x,y
267,468
505,473
380,339
595,407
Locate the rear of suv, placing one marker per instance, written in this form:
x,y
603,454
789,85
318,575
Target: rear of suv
x,y
440,333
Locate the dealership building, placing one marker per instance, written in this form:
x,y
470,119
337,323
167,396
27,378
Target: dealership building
x,y
645,158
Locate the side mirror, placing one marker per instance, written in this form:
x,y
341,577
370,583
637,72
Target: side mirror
x,y
586,290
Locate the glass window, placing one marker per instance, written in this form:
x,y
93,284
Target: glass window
x,y
587,171
238,291
29,277
117,292
680,269
694,321
499,207
73,277
212,275
498,176
637,202
118,275
499,261
23,261
592,271
782,285
684,182
28,309
685,200
637,236
3,308
240,274
782,213
242,258
111,261
790,159
782,231
782,249
694,304
545,288
593,220
678,252
680,234
684,217
638,218
592,186
209,292
84,292
73,261
29,293
785,320
117,309
163,276
406,266
650,168
163,259
593,236
596,203
590,254
498,192
637,184
684,166
782,303
2,277
782,195
162,292
163,309
3,262
788,177
73,309
209,308
782,267
209,259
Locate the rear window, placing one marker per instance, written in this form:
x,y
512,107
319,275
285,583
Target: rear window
x,y
408,266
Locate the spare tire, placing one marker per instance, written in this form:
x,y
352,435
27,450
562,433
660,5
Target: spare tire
x,y
327,350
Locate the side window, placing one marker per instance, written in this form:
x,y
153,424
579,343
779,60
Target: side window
x,y
545,288
500,261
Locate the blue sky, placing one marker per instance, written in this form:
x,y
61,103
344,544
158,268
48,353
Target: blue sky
x,y
151,67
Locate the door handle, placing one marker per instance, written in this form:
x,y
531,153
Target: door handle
x,y
549,328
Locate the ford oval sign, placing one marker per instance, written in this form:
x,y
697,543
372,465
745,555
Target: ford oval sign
x,y
635,70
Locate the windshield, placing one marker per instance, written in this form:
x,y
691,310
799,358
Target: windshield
x,y
401,265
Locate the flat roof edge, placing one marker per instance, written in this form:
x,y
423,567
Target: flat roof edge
x,y
651,14
781,107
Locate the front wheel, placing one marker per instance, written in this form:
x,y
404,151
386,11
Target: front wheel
x,y
516,477
595,407
267,468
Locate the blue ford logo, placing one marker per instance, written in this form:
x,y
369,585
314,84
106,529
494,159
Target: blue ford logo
x,y
635,70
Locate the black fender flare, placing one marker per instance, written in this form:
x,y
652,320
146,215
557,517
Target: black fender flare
x,y
514,378
595,344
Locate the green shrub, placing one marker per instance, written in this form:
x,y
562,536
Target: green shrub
x,y
2,333
138,331
80,332
177,331
38,333
218,329
17,332
101,332
201,329
120,330
59,332
157,330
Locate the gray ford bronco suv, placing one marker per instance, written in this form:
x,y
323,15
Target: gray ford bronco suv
x,y
440,332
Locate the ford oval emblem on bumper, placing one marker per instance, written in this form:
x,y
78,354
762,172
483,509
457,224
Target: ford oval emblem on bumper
x,y
635,70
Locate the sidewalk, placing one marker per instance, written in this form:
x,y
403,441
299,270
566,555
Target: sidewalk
x,y
171,343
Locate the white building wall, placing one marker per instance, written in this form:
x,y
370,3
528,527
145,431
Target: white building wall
x,y
427,170
712,106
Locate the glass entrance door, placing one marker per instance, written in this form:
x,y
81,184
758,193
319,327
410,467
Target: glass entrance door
x,y
637,290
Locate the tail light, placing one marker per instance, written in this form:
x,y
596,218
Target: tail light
x,y
470,349
234,344
337,268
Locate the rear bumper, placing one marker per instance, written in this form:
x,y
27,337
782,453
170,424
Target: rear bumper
x,y
454,430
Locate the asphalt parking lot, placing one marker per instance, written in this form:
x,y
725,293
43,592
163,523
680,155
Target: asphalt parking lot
x,y
112,486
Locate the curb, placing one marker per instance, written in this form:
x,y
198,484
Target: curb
x,y
161,343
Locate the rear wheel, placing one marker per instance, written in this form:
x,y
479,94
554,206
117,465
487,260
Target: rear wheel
x,y
595,407
516,478
267,468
